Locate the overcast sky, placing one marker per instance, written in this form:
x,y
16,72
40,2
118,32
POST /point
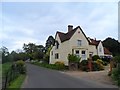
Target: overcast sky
x,y
24,22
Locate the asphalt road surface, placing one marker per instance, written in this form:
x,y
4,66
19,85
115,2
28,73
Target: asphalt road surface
x,y
39,77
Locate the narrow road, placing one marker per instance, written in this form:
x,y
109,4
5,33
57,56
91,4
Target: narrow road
x,y
39,77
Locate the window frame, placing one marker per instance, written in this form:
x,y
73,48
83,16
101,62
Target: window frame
x,y
79,42
56,55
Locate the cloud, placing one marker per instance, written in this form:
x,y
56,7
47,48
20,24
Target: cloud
x,y
34,22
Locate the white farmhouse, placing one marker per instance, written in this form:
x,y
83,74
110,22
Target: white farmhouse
x,y
75,42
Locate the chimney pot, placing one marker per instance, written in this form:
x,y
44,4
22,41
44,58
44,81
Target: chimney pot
x,y
70,27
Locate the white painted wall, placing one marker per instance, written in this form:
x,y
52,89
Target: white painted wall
x,y
100,52
66,47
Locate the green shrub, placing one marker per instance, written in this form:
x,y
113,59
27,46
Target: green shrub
x,y
84,65
95,57
73,58
117,59
95,66
21,66
100,64
116,75
60,65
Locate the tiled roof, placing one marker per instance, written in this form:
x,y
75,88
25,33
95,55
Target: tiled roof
x,y
94,42
68,35
106,51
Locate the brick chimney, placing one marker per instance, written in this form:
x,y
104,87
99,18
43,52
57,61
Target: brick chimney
x,y
70,27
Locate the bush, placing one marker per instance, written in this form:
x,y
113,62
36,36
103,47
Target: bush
x,y
116,75
95,66
73,58
100,64
60,65
117,59
84,65
95,57
21,66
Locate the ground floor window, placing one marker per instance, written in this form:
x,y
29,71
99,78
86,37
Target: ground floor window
x,y
56,56
83,55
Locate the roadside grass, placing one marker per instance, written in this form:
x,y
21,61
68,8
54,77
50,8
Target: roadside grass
x,y
5,67
50,66
17,83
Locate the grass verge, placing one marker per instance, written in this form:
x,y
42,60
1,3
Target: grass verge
x,y
5,67
50,66
17,83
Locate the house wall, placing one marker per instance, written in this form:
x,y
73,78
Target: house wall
x,y
63,52
78,35
92,48
66,47
100,52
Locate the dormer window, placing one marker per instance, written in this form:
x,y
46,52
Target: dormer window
x,y
56,45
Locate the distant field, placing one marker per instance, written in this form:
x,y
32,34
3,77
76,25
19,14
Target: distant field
x,y
5,67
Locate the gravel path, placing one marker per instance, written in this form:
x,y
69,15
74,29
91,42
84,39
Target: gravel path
x,y
98,76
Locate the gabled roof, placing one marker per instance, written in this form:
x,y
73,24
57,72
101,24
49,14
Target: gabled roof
x,y
94,42
106,51
66,36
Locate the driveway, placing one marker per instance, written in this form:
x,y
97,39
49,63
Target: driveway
x,y
38,77
97,76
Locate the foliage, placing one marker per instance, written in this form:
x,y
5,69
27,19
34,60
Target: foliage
x,y
5,54
47,55
50,41
21,66
100,63
106,59
50,66
73,58
117,59
113,45
84,65
5,67
60,65
34,51
95,57
95,66
116,75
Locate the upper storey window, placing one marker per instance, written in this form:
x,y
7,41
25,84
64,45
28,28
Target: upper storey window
x,y
79,42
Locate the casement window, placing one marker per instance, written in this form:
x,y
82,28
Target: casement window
x,y
83,52
56,56
79,42
77,53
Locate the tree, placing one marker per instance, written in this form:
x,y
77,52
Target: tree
x,y
5,54
34,51
47,55
113,45
50,41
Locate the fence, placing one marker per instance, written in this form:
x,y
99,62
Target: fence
x,y
9,76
